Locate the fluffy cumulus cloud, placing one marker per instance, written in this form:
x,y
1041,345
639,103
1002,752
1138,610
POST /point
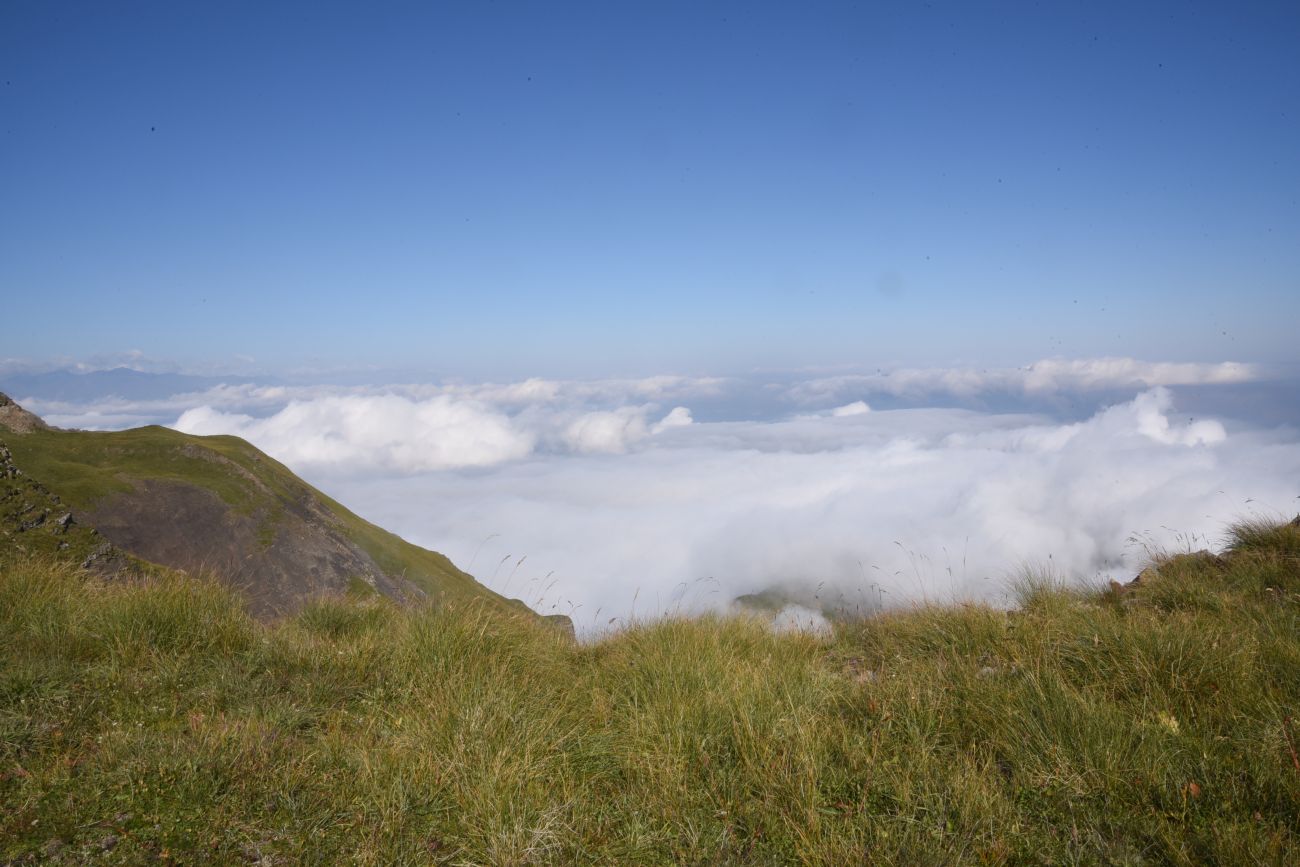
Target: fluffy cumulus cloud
x,y
355,432
680,416
1152,411
606,432
615,431
387,432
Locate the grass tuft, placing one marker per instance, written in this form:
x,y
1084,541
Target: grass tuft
x,y
1263,536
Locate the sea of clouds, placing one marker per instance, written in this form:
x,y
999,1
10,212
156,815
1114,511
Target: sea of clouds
x,y
615,499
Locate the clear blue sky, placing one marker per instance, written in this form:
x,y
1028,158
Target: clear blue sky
x,y
564,188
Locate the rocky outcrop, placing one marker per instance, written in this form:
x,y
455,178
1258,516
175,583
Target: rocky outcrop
x,y
15,419
35,521
278,558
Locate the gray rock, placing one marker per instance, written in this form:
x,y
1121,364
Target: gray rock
x,y
32,523
16,419
104,549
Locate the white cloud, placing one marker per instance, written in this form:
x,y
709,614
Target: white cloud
x,y
858,407
1048,376
679,416
1057,374
516,393
615,431
356,432
1152,410
606,432
384,432
654,389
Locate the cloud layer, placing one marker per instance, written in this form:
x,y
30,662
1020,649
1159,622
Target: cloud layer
x,y
347,434
1045,384
856,510
628,497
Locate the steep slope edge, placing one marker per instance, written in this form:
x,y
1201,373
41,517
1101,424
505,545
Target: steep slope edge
x,y
220,505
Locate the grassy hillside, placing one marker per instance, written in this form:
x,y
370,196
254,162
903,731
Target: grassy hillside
x,y
1151,724
89,469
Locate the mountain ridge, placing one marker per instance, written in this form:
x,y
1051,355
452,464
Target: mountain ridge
x,y
213,505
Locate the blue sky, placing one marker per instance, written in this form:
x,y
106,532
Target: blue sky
x,y
487,189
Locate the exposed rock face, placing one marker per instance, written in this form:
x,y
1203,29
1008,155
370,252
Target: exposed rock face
x,y
277,561
15,419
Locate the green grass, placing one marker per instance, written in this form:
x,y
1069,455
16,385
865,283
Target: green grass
x,y
1152,725
85,466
